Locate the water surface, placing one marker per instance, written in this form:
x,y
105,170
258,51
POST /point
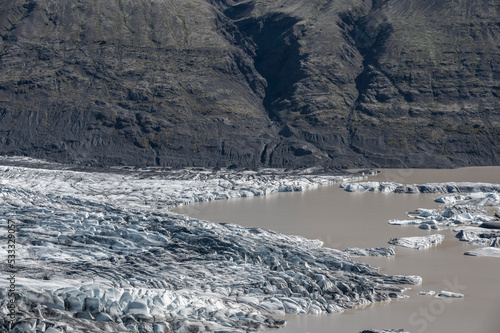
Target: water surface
x,y
342,219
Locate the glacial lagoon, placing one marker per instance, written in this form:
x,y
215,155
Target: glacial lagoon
x,y
342,220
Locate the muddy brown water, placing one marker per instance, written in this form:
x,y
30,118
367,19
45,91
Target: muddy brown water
x,y
342,220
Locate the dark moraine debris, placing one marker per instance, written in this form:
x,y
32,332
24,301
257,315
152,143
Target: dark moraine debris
x,y
491,225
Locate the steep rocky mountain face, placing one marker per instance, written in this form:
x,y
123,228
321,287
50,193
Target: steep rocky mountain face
x,y
285,83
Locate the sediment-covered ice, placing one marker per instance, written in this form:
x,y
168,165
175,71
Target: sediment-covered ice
x,y
463,210
392,330
390,187
469,233
371,252
471,207
98,252
468,214
418,243
156,189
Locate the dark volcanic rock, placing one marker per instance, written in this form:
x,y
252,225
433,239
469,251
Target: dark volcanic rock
x,y
220,83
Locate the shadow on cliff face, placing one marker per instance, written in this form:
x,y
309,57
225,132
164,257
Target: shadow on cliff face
x,y
275,50
272,42
369,35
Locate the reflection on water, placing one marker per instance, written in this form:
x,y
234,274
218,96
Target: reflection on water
x,y
342,219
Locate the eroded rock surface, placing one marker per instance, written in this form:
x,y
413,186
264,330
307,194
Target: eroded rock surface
x,y
398,83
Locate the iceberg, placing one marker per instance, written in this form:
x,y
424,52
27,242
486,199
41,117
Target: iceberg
x,y
418,243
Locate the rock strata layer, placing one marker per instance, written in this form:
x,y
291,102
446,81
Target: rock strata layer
x,y
251,83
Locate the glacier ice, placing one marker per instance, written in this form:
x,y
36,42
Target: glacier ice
x,y
418,242
99,251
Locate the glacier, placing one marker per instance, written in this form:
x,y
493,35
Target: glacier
x,y
100,251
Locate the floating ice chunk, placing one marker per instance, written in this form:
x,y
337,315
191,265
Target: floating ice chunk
x,y
463,212
418,243
437,227
373,252
428,292
355,187
426,212
491,225
404,222
479,242
484,252
465,187
475,233
450,199
449,294
406,279
392,330
394,295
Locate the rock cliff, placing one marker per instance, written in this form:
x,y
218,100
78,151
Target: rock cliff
x,y
287,83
